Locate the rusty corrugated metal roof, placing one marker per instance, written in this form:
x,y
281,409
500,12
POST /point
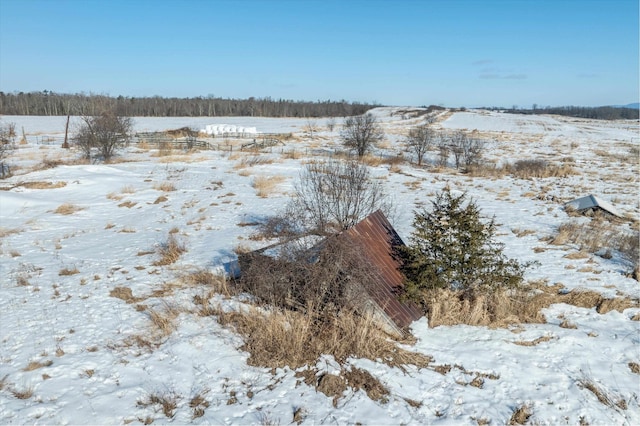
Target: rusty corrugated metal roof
x,y
378,241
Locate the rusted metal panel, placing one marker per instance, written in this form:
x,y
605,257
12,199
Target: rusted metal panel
x,y
378,241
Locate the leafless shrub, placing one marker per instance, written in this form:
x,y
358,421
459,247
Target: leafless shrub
x,y
335,195
361,133
105,132
7,146
331,124
419,141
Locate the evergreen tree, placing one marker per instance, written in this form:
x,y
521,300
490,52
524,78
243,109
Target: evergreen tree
x,y
452,248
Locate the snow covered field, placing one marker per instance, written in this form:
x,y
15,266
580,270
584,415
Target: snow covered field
x,y
71,234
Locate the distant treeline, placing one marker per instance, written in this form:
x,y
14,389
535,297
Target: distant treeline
x,y
51,103
598,113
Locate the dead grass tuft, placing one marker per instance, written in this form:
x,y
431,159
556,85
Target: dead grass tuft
x,y
202,277
533,342
634,367
199,404
265,185
167,402
520,415
43,185
22,394
164,320
165,187
34,365
67,209
170,251
124,293
604,396
128,204
68,271
5,232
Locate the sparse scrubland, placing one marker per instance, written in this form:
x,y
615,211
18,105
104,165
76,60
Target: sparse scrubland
x,y
117,296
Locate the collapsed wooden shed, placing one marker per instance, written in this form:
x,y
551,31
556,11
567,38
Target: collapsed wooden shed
x,y
376,243
379,242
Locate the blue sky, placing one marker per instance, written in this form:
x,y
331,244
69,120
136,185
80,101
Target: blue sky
x,y
403,52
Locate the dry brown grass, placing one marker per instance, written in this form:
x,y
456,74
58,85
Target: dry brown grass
x,y
5,232
165,186
43,185
447,307
199,404
265,185
634,367
67,209
22,393
486,170
127,189
128,204
114,196
163,320
34,365
534,341
287,338
170,251
124,293
537,168
167,402
201,277
68,271
520,415
599,235
604,396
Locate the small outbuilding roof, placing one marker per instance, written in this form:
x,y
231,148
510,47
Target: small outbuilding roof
x,y
378,242
592,202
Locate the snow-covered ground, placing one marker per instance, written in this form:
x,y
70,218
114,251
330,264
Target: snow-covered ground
x,y
65,343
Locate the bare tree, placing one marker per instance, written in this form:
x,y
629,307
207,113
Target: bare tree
x,y
105,132
334,196
419,140
311,128
361,132
443,148
457,141
466,149
331,124
7,145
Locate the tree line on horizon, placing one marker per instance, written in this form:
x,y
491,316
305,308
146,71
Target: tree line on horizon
x,y
51,103
597,113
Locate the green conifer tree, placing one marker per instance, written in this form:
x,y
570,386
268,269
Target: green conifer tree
x,y
452,248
